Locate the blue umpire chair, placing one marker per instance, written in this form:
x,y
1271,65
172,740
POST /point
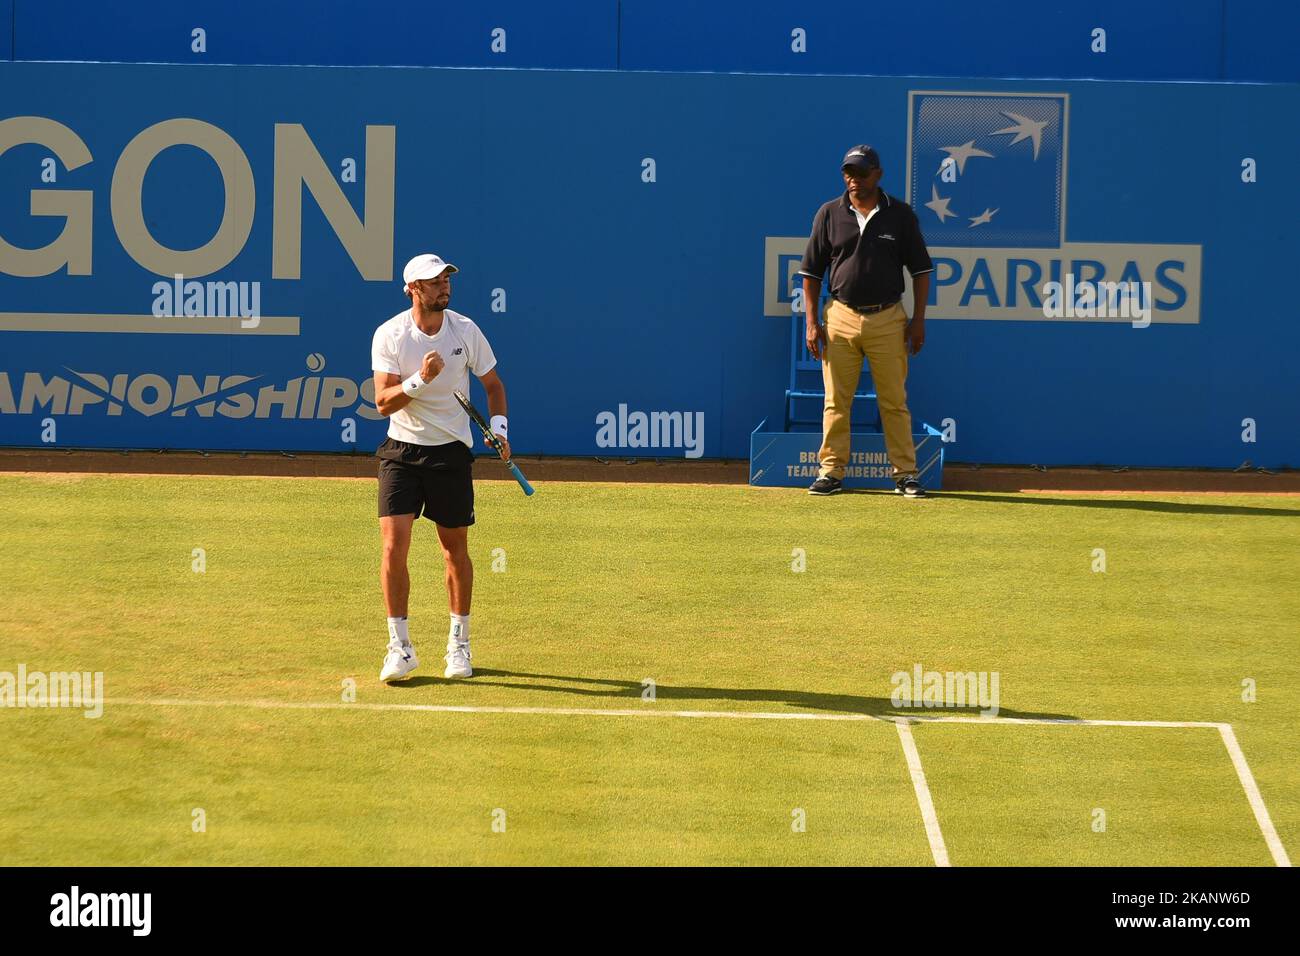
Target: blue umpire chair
x,y
806,380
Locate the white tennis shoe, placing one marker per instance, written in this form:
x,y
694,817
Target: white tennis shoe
x,y
398,662
458,660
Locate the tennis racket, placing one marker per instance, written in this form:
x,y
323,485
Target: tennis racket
x,y
493,442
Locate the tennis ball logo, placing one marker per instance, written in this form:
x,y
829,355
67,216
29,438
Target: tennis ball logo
x,y
316,362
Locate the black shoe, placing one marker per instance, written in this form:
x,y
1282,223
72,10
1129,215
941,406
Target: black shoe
x,y
825,486
909,487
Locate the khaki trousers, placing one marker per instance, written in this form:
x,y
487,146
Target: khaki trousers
x,y
851,335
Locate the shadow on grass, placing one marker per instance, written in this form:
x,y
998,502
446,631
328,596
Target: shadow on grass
x,y
1119,502
630,691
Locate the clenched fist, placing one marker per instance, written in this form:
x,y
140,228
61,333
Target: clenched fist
x,y
431,366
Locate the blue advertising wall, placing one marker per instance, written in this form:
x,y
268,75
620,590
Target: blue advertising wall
x,y
1144,39
672,295
570,34
1259,41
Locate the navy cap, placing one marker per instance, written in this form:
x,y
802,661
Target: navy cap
x,y
863,156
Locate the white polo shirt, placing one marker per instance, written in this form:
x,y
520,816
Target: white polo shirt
x,y
433,417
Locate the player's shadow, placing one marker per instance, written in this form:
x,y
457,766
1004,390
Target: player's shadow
x,y
632,690
1126,504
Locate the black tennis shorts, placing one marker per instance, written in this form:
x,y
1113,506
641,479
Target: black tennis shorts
x,y
433,480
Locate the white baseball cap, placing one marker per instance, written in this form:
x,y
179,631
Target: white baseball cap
x,y
426,266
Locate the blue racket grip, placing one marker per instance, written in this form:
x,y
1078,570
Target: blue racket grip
x,y
519,477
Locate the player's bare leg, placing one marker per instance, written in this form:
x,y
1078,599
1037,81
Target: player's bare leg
x,y
460,588
460,570
396,579
395,531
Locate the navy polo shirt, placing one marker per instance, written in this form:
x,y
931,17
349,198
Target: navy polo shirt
x,y
866,268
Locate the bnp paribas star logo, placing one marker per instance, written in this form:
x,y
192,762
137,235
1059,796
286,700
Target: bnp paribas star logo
x,y
988,169
986,177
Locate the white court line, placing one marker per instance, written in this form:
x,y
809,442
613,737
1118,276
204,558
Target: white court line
x,y
1235,752
640,712
1066,721
904,731
458,709
932,831
1252,794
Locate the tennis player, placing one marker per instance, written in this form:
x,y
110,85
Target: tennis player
x,y
419,358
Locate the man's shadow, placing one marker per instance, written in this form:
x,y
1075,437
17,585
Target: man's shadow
x,y
1119,503
1116,502
631,690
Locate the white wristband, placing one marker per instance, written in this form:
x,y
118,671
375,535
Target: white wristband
x,y
498,425
413,385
